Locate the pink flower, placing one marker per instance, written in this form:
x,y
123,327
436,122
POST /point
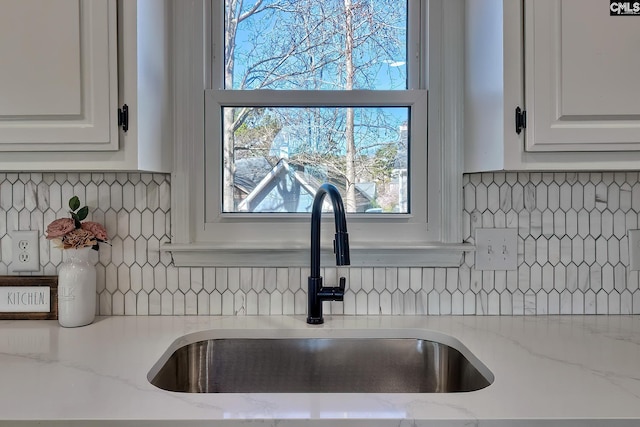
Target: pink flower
x,y
78,239
96,229
60,227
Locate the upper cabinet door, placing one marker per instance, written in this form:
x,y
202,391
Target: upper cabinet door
x,y
58,79
581,77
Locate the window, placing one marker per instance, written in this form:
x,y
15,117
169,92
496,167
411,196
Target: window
x,y
276,156
296,93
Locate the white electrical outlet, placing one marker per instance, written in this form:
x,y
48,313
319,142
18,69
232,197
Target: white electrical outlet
x,y
26,254
634,249
496,249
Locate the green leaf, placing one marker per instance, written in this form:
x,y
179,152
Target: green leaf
x,y
82,213
74,203
76,220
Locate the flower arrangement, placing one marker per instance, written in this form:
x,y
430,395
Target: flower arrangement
x,y
72,233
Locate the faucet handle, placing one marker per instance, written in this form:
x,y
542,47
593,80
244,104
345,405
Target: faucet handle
x,y
343,284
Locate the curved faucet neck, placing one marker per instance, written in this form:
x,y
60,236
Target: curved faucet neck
x,y
342,252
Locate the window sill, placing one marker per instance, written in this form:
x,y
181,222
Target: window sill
x,y
385,255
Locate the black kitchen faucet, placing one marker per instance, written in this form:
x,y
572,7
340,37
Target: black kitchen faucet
x,y
316,292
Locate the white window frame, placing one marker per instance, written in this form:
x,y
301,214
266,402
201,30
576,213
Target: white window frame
x,y
204,236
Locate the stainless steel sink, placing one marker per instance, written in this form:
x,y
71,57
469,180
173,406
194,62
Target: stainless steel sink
x,y
318,365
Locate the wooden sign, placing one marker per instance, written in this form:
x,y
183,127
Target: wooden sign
x,y
29,297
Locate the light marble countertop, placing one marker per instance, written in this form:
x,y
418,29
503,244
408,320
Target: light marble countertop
x,y
564,371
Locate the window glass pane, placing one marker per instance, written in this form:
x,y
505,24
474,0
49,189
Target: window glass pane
x,y
316,44
281,155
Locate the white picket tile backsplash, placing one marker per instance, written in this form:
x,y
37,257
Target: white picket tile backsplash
x,y
572,251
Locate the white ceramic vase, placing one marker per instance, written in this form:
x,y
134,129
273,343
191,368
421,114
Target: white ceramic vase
x,y
77,288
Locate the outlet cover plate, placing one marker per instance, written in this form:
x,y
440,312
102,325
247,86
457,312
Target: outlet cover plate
x,y
496,249
25,250
634,250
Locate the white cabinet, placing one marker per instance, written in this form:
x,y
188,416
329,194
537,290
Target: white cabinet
x,y
581,77
58,79
62,118
570,66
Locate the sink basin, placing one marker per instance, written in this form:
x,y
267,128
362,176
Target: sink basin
x,y
319,365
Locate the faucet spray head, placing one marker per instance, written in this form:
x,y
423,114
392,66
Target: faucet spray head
x,y
341,248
